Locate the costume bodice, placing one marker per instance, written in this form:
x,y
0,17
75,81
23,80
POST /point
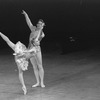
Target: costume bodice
x,y
19,48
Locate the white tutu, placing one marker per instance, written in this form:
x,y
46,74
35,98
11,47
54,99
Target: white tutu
x,y
22,55
23,63
19,58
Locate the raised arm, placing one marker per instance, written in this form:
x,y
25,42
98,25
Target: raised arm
x,y
28,21
6,39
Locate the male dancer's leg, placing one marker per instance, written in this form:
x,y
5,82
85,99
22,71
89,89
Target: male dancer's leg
x,y
40,67
33,62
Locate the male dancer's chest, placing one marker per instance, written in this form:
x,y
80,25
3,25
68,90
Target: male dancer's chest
x,y
35,34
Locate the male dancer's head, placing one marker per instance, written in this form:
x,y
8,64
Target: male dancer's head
x,y
40,24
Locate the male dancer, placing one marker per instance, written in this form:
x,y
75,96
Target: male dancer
x,y
34,41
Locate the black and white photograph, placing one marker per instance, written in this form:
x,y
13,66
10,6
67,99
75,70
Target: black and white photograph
x,y
49,50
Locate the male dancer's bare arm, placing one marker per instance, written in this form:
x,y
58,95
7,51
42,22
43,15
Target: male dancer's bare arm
x,y
30,50
6,39
28,21
41,36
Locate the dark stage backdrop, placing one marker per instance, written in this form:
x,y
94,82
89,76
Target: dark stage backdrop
x,y
71,25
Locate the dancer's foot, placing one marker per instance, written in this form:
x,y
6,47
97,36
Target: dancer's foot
x,y
37,84
42,85
25,90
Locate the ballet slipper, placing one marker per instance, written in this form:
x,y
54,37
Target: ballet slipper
x,y
42,85
37,84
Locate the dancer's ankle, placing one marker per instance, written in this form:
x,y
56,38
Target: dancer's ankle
x,y
35,85
42,85
24,89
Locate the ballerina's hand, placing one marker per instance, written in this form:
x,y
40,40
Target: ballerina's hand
x,y
23,12
0,33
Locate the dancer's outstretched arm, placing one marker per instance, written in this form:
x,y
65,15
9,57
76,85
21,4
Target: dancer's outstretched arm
x,y
28,21
6,39
32,50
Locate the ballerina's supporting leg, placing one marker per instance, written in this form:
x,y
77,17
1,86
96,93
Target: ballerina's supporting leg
x,y
22,79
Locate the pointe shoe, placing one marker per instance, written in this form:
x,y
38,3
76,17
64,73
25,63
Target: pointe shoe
x,y
25,90
37,84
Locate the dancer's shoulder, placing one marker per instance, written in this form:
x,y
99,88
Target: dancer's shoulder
x,y
33,28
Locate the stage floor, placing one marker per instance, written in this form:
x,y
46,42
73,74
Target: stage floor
x,y
74,76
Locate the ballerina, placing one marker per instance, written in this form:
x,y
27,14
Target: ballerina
x,y
22,54
36,36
